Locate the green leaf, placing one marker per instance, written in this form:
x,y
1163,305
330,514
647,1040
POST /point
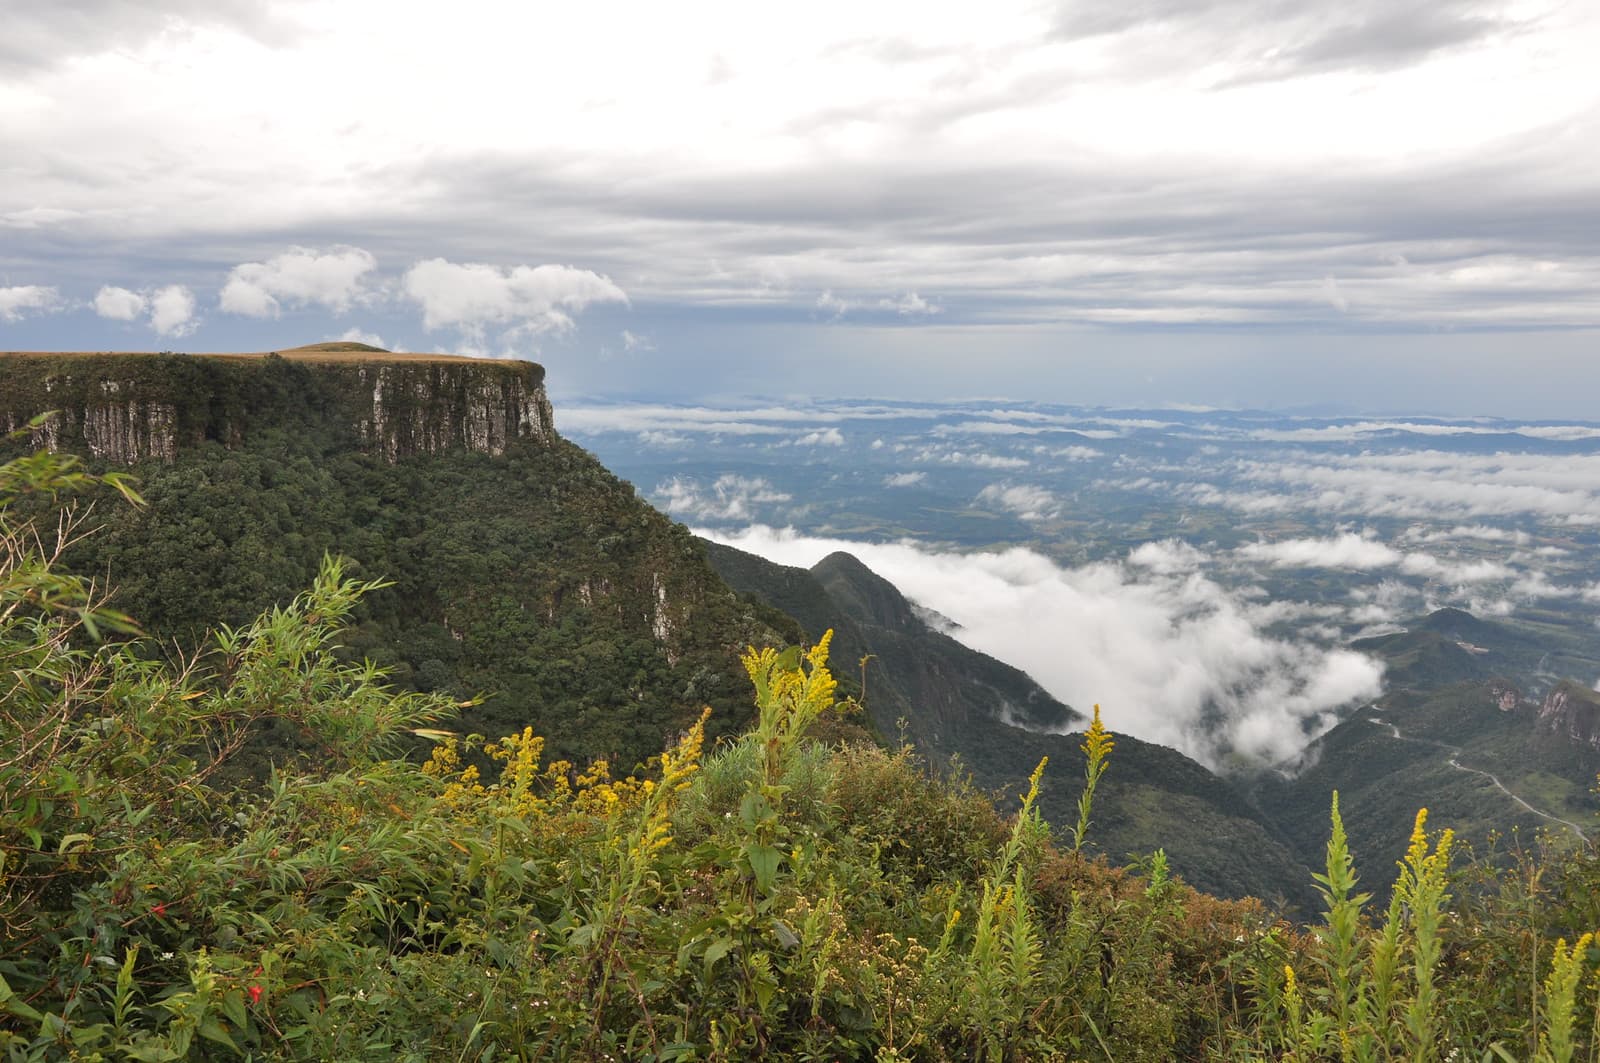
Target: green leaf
x,y
10,1004
764,864
233,1008
786,937
212,1030
719,948
85,840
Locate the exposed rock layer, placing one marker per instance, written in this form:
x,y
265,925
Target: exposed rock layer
x,y
130,408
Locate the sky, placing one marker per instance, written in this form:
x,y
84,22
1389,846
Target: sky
x,y
1371,205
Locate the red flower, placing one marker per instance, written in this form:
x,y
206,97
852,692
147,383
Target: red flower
x,y
254,993
159,910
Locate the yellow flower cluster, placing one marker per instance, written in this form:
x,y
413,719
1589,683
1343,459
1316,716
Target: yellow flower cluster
x,y
525,788
1427,869
806,692
1097,741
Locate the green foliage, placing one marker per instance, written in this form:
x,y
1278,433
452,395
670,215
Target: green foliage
x,y
777,899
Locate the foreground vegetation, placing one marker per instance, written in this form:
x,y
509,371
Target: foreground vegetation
x,y
772,896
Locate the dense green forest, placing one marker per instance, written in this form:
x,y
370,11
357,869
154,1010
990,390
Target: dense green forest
x,y
531,575
770,895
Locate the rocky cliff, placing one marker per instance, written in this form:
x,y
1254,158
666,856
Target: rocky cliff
x,y
128,408
1572,712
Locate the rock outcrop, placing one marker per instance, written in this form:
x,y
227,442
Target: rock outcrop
x,y
1572,712
128,408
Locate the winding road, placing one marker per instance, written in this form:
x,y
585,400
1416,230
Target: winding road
x,y
1455,762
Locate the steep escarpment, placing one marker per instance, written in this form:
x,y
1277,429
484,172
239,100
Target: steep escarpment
x,y
1571,711
516,566
125,409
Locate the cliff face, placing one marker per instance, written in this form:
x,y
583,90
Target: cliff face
x,y
1572,712
129,408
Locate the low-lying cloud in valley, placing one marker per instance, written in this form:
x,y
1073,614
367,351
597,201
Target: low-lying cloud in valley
x,y
1171,655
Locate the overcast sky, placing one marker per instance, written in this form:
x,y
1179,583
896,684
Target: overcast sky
x,y
1376,204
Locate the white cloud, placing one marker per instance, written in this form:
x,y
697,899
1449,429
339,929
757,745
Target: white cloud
x,y
1364,553
172,311
1172,658
633,341
821,437
832,305
1166,557
1418,485
1025,500
904,479
299,277
729,498
356,335
169,311
473,295
910,305
1335,298
20,300
118,304
1349,550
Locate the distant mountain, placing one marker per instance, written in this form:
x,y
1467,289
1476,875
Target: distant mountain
x,y
953,701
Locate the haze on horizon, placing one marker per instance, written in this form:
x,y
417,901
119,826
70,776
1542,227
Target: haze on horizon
x,y
1380,206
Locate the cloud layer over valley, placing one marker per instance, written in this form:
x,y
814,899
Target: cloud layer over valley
x,y
1170,655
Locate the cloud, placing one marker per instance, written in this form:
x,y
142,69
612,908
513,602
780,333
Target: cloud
x,y
729,498
1172,657
909,305
821,437
1270,39
169,311
356,335
529,299
978,459
1335,298
172,311
1349,551
832,305
19,301
1025,500
1363,553
904,479
1417,485
52,33
1166,557
632,341
118,304
299,277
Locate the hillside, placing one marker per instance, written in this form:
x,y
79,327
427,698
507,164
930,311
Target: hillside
x,y
952,701
519,567
1455,735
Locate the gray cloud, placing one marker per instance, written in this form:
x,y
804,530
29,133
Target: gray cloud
x,y
1285,38
51,33
1036,191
